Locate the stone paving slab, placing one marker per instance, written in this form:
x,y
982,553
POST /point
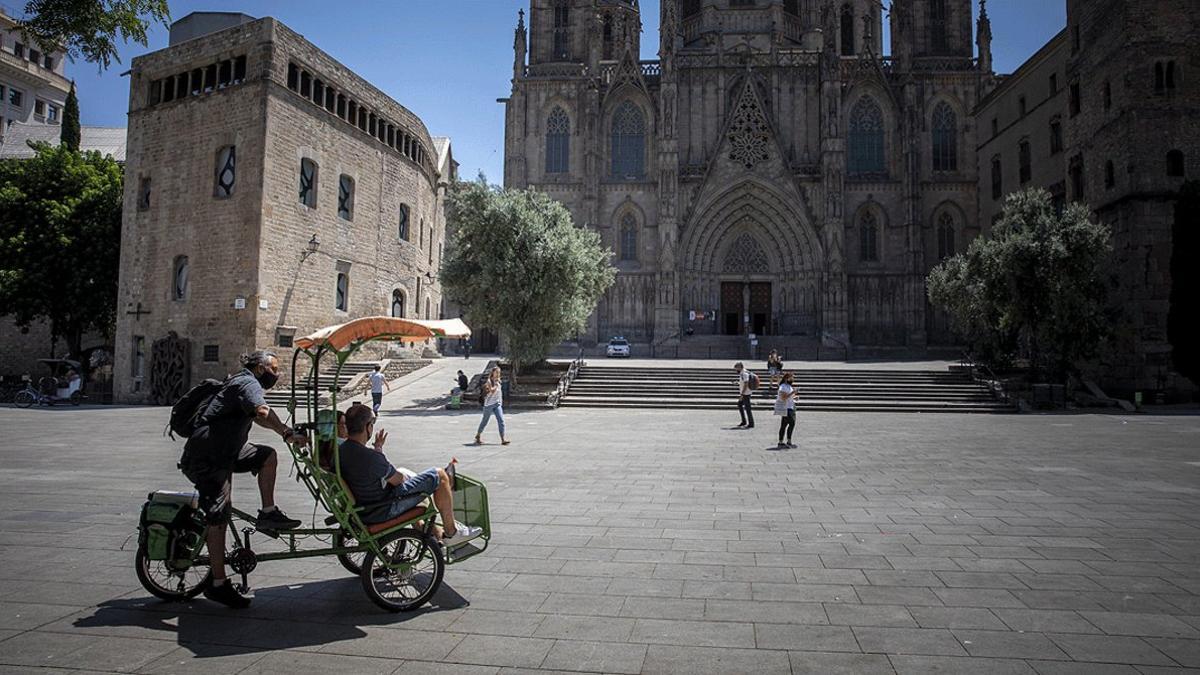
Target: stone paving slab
x,y
654,542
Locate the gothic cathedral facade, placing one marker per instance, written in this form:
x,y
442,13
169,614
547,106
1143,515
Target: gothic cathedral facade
x,y
773,172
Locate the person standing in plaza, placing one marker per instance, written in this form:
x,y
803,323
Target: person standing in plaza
x,y
493,404
378,382
745,391
785,408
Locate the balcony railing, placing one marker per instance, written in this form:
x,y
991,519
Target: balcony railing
x,y
33,70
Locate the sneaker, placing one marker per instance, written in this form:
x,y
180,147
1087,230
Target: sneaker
x,y
780,445
791,445
741,425
461,535
276,520
227,595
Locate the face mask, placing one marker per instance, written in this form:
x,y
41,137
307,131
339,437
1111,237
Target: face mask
x,y
267,379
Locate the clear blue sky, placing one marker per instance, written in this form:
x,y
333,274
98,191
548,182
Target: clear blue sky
x,y
449,60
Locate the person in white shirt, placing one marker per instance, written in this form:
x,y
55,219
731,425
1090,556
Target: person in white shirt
x,y
745,391
378,382
785,407
493,404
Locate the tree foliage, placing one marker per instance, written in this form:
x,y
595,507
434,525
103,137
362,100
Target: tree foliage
x,y
1183,331
518,265
1035,287
91,28
71,135
60,234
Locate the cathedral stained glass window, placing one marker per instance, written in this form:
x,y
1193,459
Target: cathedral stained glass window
x,y
866,138
558,141
628,142
945,138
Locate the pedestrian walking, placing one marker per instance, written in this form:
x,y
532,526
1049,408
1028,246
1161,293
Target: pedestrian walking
x,y
467,349
785,408
747,383
493,404
378,382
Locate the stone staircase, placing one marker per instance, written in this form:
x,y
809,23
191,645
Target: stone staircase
x,y
282,394
830,389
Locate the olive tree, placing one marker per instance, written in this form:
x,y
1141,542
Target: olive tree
x,y
518,265
1034,287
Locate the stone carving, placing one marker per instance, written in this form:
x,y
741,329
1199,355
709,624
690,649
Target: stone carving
x,y
170,375
749,133
746,256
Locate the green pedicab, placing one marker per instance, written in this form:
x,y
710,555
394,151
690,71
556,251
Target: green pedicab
x,y
400,562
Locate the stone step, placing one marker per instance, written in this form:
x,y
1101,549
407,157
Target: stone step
x,y
802,405
817,389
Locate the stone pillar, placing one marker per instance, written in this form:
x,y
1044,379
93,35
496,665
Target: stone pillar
x,y
835,332
667,308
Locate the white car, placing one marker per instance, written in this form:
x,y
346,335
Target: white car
x,y
618,346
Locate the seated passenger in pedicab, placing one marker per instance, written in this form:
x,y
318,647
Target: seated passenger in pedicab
x,y
374,481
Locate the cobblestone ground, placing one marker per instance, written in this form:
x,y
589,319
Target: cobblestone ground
x,y
656,542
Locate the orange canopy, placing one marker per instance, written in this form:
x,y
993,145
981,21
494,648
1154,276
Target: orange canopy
x,y
383,328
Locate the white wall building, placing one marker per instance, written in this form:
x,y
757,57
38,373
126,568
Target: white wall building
x,y
33,84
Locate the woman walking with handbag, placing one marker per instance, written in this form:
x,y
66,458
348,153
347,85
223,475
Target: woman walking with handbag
x,y
493,404
785,407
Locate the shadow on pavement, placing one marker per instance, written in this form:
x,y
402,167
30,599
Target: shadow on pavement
x,y
271,623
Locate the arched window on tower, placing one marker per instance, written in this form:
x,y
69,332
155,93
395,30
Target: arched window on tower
x,y
945,233
308,183
179,279
562,30
997,178
938,41
628,142
945,138
558,141
398,304
847,30
866,138
690,8
868,238
1175,164
629,237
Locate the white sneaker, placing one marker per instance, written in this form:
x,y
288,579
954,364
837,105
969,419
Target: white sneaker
x,y
462,534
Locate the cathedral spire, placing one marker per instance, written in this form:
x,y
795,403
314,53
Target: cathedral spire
x,y
519,46
983,40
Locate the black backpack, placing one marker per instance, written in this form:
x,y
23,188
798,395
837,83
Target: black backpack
x,y
186,412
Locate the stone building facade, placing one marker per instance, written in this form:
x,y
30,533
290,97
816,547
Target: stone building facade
x,y
773,172
1107,114
270,191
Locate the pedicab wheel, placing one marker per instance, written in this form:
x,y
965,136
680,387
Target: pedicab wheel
x,y
24,399
353,562
76,398
406,574
167,581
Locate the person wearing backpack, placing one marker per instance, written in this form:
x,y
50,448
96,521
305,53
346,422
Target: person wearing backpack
x,y
217,447
747,383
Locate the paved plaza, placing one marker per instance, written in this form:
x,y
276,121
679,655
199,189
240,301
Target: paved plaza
x,y
654,542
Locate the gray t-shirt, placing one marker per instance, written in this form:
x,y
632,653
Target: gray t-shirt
x,y
366,471
225,425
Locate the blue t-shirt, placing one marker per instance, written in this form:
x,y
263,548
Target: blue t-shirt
x,y
366,471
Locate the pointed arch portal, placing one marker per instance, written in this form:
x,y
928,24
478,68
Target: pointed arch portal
x,y
753,259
